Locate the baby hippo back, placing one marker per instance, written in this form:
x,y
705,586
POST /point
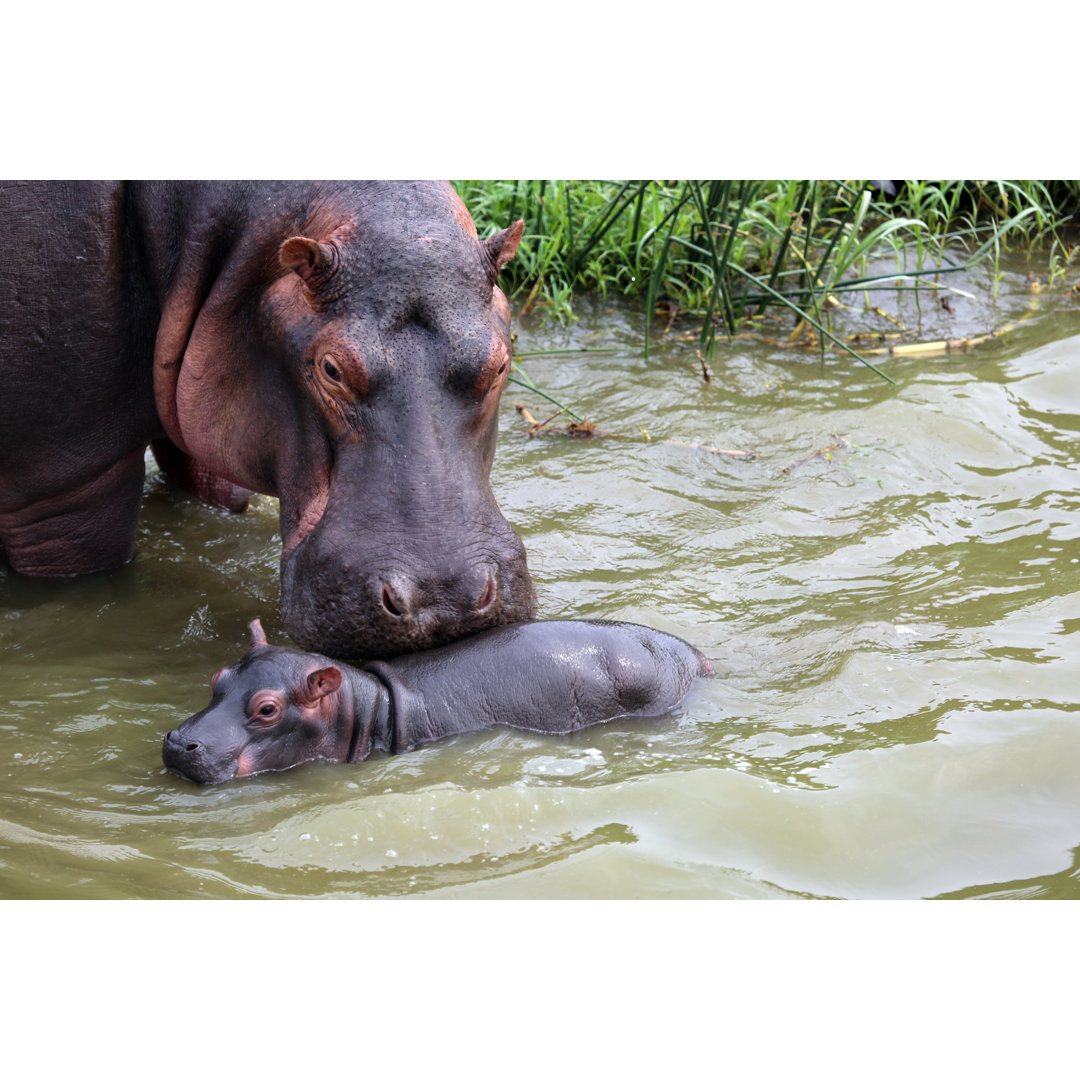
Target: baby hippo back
x,y
555,676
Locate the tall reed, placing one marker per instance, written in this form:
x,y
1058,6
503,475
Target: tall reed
x,y
725,249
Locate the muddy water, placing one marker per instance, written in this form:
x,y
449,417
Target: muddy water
x,y
895,622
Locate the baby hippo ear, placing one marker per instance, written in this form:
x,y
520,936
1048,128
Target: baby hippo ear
x,y
322,682
258,634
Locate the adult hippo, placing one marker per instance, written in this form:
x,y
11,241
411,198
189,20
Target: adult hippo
x,y
278,708
342,346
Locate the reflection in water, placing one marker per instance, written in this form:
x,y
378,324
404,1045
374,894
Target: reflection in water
x,y
1063,884
893,625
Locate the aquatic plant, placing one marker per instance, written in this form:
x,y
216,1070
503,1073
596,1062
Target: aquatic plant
x,y
726,250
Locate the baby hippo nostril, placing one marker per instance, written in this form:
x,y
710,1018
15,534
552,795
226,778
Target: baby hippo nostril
x,y
174,741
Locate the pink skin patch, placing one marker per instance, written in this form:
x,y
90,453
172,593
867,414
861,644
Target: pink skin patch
x,y
246,762
462,215
309,521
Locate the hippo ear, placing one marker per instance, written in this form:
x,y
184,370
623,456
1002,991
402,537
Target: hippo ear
x,y
500,248
258,634
307,257
322,682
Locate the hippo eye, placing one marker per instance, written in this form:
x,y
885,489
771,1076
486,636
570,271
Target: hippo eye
x,y
332,371
340,374
265,707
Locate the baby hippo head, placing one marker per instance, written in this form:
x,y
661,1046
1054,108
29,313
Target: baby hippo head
x,y
274,709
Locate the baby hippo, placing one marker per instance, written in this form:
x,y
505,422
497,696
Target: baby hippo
x,y
279,707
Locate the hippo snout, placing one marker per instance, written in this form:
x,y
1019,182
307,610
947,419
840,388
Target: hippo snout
x,y
427,560
403,597
176,743
188,758
179,752
392,609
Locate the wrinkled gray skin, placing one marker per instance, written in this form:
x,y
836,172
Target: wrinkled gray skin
x,y
280,707
340,345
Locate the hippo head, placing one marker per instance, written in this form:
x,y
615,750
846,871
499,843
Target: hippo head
x,y
362,389
275,709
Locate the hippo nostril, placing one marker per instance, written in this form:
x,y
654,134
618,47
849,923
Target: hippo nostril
x,y
488,597
388,602
191,747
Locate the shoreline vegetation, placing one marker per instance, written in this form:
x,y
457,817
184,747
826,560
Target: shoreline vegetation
x,y
731,253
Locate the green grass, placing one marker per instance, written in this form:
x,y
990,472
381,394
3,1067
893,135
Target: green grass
x,y
724,250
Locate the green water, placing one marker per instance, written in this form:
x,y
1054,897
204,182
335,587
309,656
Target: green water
x,y
894,625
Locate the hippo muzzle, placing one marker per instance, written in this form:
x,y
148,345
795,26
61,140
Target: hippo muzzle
x,y
404,558
393,606
185,756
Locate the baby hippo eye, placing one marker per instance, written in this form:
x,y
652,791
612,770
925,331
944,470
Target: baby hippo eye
x,y
265,707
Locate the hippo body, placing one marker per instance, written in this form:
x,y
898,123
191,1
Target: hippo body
x,y
280,707
342,346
